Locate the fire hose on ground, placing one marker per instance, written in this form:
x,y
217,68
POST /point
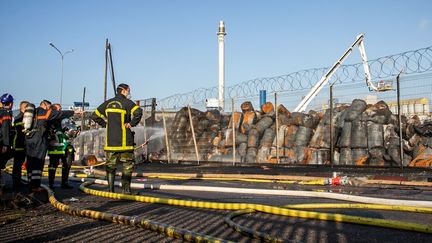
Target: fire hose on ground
x,y
140,222
316,194
246,208
131,220
268,238
241,209
274,192
298,180
255,178
283,179
8,169
285,211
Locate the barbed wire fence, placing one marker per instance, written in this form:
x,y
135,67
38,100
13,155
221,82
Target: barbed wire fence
x,y
209,136
349,79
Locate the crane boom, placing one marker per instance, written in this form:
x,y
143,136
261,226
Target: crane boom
x,y
324,80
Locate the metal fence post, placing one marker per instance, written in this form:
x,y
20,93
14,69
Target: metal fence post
x,y
400,121
83,113
193,135
234,131
331,127
277,128
145,132
166,137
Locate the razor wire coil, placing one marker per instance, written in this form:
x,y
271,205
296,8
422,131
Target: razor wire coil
x,y
410,62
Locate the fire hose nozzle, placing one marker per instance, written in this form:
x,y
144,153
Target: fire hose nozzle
x,y
336,181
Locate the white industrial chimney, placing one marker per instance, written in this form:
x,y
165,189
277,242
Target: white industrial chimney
x,y
221,41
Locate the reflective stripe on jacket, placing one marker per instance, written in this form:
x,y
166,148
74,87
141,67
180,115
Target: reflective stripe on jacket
x,y
59,143
5,127
36,140
18,134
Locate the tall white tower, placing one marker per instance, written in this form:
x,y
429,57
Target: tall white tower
x,y
221,41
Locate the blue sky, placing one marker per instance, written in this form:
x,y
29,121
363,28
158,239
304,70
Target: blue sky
x,y
165,47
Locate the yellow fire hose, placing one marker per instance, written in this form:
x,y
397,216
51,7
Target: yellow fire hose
x,y
9,168
45,173
283,179
296,179
319,182
278,192
87,166
236,176
268,238
246,231
289,210
394,224
141,222
311,182
410,209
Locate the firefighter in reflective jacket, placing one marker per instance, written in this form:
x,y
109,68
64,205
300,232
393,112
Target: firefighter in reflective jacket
x,y
6,101
37,141
59,149
18,145
118,115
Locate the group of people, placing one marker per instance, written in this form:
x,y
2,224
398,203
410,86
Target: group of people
x,y
48,134
29,143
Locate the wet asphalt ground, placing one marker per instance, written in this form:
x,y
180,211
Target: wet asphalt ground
x,y
41,222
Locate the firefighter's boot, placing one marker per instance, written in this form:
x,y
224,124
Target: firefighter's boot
x,y
126,181
51,178
65,178
111,180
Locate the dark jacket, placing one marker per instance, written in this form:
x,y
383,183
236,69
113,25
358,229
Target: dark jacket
x,y
18,142
113,114
5,127
37,139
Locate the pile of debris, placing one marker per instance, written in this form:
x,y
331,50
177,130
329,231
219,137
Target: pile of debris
x,y
362,134
207,127
419,144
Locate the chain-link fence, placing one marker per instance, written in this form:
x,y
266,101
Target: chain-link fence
x,y
357,132
363,129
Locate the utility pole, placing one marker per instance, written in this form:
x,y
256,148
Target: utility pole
x,y
106,70
112,68
108,65
62,55
83,114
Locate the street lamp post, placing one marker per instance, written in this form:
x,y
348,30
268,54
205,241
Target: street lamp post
x,y
62,55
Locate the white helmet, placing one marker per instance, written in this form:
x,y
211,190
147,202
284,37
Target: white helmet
x,y
69,128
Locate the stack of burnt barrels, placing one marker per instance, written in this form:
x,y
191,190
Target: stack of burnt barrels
x,y
361,134
419,144
207,128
